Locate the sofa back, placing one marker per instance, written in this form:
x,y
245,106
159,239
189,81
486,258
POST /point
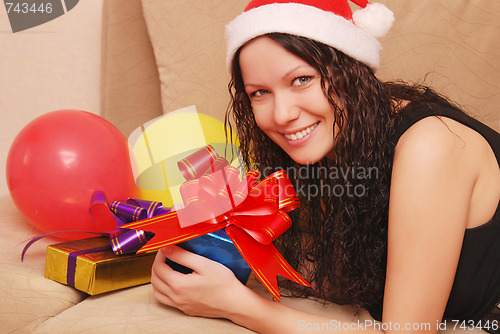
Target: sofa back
x,y
449,45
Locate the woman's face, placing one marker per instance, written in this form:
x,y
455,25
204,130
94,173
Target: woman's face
x,y
287,100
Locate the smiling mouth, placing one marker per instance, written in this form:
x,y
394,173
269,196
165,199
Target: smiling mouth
x,y
300,134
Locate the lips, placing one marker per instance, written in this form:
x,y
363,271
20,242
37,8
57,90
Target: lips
x,y
300,134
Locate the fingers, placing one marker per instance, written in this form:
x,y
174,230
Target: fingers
x,y
167,280
186,258
204,292
161,289
170,286
163,271
162,279
160,295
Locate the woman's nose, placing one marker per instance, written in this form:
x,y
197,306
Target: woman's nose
x,y
285,109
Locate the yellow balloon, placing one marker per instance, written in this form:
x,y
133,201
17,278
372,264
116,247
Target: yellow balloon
x,y
157,145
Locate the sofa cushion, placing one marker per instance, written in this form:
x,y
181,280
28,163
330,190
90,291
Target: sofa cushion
x,y
130,85
136,311
132,311
27,298
450,45
189,45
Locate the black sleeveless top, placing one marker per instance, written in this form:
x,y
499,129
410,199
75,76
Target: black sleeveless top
x,y
476,288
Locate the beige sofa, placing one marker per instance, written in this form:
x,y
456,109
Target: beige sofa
x,y
157,56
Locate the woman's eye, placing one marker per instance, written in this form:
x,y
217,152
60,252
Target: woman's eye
x,y
259,93
301,80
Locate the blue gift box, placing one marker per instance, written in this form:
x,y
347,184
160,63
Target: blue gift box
x,y
216,246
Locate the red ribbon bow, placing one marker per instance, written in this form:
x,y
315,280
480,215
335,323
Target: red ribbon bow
x,y
252,213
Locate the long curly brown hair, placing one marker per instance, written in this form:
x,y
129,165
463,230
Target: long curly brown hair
x,y
339,237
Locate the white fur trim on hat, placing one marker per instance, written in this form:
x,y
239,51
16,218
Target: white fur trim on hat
x,y
376,19
307,21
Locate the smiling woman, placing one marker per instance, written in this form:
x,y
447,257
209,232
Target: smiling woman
x,y
287,100
409,246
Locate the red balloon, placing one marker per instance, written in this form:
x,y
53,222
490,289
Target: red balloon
x,y
59,160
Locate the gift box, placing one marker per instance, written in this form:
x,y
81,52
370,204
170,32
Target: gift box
x,y
216,246
90,265
224,212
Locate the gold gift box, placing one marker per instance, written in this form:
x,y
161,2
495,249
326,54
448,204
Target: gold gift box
x,y
97,272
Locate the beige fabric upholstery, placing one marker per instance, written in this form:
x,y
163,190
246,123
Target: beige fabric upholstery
x,y
130,86
135,311
453,47
190,52
27,299
449,45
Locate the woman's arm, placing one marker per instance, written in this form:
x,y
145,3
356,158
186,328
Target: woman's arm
x,y
431,188
430,196
213,291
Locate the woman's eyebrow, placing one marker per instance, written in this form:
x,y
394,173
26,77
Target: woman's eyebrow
x,y
292,70
251,85
283,77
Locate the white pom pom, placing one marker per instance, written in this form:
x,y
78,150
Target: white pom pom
x,y
376,19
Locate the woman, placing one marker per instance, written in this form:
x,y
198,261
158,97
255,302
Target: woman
x,y
413,242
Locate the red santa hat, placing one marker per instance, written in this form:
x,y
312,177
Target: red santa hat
x,y
330,22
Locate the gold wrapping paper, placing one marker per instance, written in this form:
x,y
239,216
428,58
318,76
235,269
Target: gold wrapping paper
x,y
98,272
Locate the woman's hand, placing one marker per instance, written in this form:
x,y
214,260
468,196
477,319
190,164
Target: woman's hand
x,y
211,290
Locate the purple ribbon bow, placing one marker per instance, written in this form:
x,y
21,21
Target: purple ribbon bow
x,y
110,218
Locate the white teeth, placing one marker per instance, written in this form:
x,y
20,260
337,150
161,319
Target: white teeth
x,y
301,134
